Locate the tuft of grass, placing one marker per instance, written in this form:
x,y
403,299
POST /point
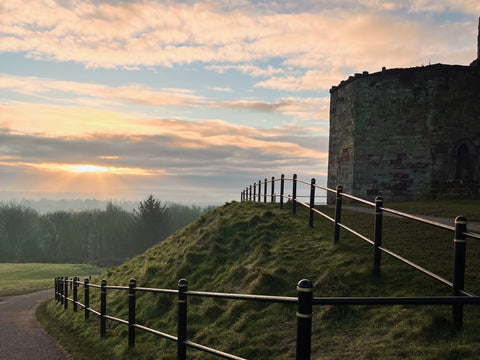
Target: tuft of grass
x,y
18,278
257,248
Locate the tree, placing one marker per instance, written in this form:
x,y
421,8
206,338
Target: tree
x,y
150,220
18,233
117,237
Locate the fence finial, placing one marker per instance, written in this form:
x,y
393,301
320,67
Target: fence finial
x,y
459,251
304,319
182,320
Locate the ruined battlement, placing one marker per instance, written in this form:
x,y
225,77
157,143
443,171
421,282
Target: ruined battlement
x,y
400,72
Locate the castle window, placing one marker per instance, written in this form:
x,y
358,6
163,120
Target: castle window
x,y
463,163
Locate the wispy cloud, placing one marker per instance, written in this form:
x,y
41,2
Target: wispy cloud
x,y
218,88
106,35
131,94
252,70
108,98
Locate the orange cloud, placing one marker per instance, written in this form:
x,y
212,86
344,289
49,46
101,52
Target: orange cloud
x,y
75,122
133,94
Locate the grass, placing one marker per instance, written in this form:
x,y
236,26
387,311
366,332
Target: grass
x,y
17,278
257,248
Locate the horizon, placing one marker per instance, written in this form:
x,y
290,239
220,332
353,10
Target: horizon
x,y
194,101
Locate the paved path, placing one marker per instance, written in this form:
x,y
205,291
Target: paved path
x,y
472,226
21,335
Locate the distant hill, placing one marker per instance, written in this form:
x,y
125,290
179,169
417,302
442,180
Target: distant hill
x,y
257,248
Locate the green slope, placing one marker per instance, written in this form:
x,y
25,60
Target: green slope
x,y
257,248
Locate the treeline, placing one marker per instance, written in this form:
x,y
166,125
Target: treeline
x,y
103,237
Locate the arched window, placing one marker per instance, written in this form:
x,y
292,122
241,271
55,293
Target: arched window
x,y
463,162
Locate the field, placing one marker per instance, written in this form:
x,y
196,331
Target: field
x,y
16,279
259,249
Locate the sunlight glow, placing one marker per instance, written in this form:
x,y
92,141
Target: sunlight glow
x,y
86,168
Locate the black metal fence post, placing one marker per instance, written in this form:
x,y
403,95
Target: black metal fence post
x,y
304,319
86,295
250,195
65,291
294,194
265,192
259,190
254,191
182,320
282,187
56,289
131,312
312,202
338,214
459,251
103,307
377,253
273,189
75,294
60,289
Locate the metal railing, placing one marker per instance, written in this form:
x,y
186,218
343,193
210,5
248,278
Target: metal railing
x,y
304,309
305,301
459,230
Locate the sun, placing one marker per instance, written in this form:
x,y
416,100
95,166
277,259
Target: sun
x,y
86,168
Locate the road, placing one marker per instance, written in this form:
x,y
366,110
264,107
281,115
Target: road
x,y
21,335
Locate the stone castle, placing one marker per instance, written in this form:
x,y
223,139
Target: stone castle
x,y
407,134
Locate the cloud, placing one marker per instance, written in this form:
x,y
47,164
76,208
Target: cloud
x,y
106,35
179,153
131,94
247,69
439,6
218,88
106,99
310,80
83,124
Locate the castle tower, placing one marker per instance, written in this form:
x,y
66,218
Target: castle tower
x,y
407,134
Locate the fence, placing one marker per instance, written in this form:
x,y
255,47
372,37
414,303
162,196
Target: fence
x,y
304,301
460,230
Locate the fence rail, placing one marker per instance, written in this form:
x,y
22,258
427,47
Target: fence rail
x,y
305,301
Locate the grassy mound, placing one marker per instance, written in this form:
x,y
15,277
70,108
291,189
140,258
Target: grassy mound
x,y
257,248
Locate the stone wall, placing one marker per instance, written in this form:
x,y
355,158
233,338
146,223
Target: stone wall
x,y
397,133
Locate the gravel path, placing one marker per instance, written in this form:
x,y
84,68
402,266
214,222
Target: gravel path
x,y
21,335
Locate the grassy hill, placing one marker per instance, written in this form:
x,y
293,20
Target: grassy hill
x,y
257,248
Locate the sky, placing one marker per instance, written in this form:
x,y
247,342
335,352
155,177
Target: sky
x,y
192,101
